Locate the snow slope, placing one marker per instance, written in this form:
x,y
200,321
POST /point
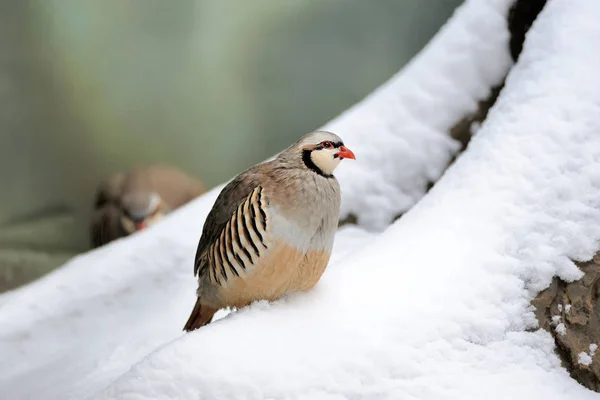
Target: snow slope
x,y
435,307
74,331
402,128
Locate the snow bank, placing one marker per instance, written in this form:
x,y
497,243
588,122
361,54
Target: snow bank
x,y
74,331
406,138
437,306
433,308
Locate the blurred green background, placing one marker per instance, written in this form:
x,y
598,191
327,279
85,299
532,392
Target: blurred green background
x,y
88,88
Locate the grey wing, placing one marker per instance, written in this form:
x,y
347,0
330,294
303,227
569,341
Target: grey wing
x,y
232,195
109,191
105,225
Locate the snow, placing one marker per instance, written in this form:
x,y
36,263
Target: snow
x,y
561,329
475,125
584,359
436,306
568,308
408,135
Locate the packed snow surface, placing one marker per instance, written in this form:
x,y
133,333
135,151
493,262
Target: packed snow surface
x,y
434,307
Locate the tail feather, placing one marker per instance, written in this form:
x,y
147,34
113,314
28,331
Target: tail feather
x,y
201,315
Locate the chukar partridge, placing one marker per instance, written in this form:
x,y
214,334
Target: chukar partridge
x,y
131,201
271,229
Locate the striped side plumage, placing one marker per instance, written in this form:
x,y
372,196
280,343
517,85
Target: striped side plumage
x,y
242,242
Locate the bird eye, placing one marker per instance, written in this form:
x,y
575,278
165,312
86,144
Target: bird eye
x,y
327,145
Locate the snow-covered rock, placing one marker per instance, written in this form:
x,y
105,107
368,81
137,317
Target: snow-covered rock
x,y
437,306
569,311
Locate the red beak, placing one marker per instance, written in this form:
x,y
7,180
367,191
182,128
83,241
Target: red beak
x,y
345,153
139,226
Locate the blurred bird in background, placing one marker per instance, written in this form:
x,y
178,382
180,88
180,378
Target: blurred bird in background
x,y
130,201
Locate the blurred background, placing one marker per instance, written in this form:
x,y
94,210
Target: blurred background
x,y
88,88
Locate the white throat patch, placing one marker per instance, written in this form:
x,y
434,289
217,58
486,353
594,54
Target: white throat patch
x,y
324,159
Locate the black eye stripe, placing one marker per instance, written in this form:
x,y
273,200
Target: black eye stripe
x,y
327,144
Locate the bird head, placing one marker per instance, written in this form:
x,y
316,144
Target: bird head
x,y
322,151
140,210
